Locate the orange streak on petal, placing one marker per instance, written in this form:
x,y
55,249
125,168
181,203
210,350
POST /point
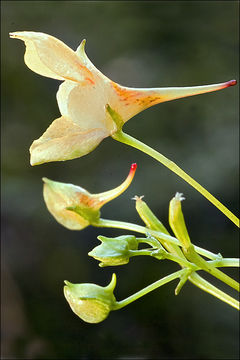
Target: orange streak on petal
x,y
90,80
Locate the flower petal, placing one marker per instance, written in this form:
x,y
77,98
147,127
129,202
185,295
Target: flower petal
x,y
85,61
50,57
85,105
64,140
134,100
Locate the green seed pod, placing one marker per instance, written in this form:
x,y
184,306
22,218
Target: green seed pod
x,y
114,251
91,302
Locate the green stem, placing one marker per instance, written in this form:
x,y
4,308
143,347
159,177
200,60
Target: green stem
x,y
146,290
194,278
160,253
206,286
153,223
197,259
140,252
129,140
181,261
191,255
150,241
157,234
224,262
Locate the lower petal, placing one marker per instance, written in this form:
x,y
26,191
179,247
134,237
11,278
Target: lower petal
x,y
64,140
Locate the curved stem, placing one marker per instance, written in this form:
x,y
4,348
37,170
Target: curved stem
x,y
146,290
194,278
129,140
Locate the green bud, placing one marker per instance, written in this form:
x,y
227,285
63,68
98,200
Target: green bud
x,y
114,251
176,220
153,223
148,216
91,302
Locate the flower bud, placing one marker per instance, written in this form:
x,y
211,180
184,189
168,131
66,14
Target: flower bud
x,y
74,207
147,215
152,222
114,251
176,220
91,302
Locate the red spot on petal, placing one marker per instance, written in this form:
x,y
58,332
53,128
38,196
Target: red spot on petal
x,y
231,82
132,170
134,166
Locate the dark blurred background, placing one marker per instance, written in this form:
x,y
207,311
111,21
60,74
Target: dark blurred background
x,y
138,44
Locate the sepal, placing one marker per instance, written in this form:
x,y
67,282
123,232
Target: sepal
x,y
114,251
91,302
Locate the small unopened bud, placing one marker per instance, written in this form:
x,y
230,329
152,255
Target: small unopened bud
x,y
147,215
91,302
114,251
176,220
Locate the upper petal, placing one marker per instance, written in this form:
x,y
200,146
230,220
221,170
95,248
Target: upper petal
x,y
64,140
50,57
85,61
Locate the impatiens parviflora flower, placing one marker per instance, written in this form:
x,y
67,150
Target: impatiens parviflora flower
x,y
91,302
83,97
114,251
76,208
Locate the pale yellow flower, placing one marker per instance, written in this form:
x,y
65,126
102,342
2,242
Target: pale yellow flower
x,y
83,96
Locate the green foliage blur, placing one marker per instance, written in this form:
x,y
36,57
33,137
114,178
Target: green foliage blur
x,y
137,44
